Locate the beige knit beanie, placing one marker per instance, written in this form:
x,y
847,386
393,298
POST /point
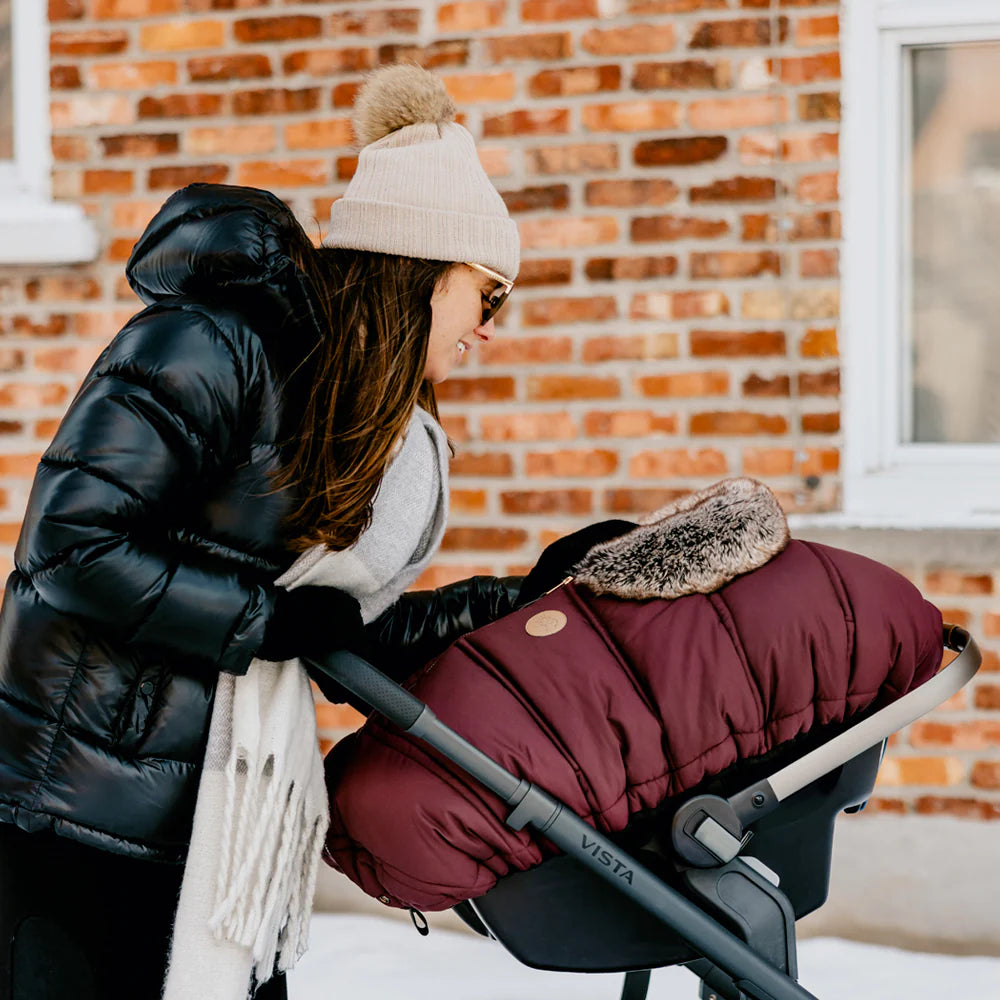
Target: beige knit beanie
x,y
420,190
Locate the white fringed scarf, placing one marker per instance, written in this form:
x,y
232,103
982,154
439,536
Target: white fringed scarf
x,y
261,814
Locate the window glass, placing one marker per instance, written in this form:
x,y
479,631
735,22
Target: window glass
x,y
952,318
6,85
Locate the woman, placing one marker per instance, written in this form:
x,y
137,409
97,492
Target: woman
x,y
243,418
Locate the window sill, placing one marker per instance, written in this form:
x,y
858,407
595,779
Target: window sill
x,y
44,232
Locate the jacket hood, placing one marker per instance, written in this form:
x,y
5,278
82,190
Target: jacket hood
x,y
229,246
693,546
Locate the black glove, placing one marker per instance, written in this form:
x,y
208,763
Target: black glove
x,y
557,561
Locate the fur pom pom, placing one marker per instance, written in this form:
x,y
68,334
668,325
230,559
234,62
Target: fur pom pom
x,y
693,546
396,96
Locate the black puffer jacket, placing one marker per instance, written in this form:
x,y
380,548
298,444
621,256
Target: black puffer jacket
x,y
152,535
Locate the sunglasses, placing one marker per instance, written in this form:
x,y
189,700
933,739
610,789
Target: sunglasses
x,y
492,304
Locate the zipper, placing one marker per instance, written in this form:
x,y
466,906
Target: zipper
x,y
562,583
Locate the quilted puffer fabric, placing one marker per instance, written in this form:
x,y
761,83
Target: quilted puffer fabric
x,y
631,703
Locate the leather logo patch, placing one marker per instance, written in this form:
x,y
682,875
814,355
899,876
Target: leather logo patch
x,y
545,623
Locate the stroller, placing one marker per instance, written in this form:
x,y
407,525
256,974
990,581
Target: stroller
x,y
717,891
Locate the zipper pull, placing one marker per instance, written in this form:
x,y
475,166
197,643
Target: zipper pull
x,y
420,922
562,583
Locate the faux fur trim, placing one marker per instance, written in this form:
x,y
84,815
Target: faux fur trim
x,y
396,96
693,546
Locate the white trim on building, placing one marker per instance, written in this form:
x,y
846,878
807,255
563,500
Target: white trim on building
x,y
33,228
887,481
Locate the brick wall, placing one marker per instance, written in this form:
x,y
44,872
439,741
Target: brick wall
x,y
672,165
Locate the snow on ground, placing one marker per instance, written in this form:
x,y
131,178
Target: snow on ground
x,y
359,956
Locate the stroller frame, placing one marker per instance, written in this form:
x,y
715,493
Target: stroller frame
x,y
743,943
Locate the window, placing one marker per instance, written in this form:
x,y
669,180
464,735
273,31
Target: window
x,y
33,228
921,278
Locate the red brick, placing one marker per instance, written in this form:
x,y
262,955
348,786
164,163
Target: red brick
x,y
628,423
540,48
814,226
538,121
579,158
141,145
522,426
131,75
545,272
481,87
558,10
632,116
27,326
734,264
180,106
277,29
818,187
90,42
546,502
526,350
821,30
595,462
375,23
820,423
634,39
808,69
657,228
107,181
471,15
723,343
987,696
673,463
630,268
736,189
567,232
576,80
533,199
548,312
641,8
819,462
283,173
641,501
67,360
177,177
818,107
809,146
33,395
435,55
231,139
318,134
819,383
175,36
483,538
247,66
490,463
275,101
737,112
328,62
65,10
71,148
12,360
949,581
973,734
965,808
131,9
737,33
65,77
819,263
737,422
819,343
18,466
615,348
57,287
756,386
678,305
768,461
682,384
686,74
468,501
439,576
482,389
545,388
680,152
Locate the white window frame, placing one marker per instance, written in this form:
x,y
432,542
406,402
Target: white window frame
x,y
886,482
33,228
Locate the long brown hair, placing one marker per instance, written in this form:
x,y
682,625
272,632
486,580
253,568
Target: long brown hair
x,y
367,376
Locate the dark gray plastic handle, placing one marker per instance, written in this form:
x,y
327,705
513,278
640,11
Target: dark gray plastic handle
x,y
382,693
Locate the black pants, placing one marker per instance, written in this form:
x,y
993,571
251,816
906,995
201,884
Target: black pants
x,y
77,923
